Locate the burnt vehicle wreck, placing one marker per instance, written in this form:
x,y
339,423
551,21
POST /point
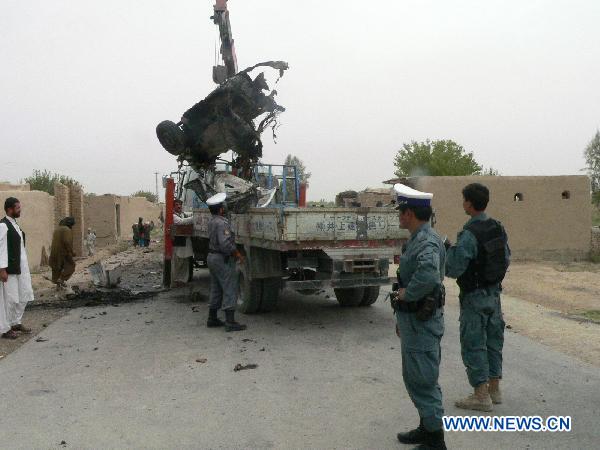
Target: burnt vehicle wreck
x,y
226,120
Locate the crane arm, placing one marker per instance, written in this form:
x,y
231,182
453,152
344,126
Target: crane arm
x,y
221,18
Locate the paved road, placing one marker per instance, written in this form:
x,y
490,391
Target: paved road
x,y
327,377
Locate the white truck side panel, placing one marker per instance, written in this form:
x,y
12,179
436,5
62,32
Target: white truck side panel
x,y
311,224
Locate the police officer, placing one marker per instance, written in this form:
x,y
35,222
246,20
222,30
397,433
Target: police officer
x,y
479,261
222,256
418,305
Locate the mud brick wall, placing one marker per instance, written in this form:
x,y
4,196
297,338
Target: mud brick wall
x,y
546,217
595,246
76,211
100,216
132,208
61,202
371,198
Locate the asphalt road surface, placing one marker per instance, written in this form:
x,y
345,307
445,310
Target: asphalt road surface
x,y
134,376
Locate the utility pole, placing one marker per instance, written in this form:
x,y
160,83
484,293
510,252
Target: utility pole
x,y
156,179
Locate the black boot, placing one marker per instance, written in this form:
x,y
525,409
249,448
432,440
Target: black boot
x,y
416,436
230,323
434,441
213,321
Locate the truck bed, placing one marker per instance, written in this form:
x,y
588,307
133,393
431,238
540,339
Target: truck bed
x,y
309,228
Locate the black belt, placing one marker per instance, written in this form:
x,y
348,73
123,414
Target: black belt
x,y
413,307
225,257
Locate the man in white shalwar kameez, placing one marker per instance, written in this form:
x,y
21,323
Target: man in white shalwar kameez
x,y
16,278
182,248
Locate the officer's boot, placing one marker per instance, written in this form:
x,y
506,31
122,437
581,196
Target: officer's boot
x,y
230,323
494,389
213,321
479,400
433,441
416,436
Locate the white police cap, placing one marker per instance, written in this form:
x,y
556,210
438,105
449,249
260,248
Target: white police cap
x,y
406,195
216,199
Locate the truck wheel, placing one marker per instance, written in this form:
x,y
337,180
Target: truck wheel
x,y
171,137
349,296
270,294
371,295
250,293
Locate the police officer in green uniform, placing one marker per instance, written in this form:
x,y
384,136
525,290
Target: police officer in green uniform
x,y
479,261
221,259
418,305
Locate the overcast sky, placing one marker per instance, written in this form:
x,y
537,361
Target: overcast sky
x,y
83,83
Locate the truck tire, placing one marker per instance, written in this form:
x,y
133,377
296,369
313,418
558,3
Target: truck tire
x,y
251,295
270,294
349,296
371,295
171,137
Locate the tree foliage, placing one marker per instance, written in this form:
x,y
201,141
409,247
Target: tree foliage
x,y
490,172
592,160
303,175
435,158
151,197
44,180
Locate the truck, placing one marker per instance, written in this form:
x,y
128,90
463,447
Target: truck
x,y
285,243
306,249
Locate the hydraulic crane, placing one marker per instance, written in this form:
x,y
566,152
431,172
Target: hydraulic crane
x,y
227,50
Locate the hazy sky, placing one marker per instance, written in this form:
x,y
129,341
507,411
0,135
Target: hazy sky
x,y
83,83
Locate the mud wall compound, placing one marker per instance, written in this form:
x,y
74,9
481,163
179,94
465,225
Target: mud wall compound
x,y
111,216
545,217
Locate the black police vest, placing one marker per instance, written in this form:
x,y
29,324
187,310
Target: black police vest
x,y
13,241
489,268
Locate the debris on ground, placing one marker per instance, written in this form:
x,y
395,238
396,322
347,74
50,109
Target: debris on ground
x,y
104,275
239,367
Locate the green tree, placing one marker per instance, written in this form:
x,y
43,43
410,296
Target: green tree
x,y
490,172
147,195
44,180
435,158
303,175
592,160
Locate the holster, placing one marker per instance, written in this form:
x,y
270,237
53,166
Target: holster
x,y
424,308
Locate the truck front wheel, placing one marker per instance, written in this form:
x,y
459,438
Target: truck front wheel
x,y
251,294
371,295
270,294
349,296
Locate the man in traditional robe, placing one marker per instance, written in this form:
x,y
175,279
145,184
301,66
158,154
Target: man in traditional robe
x,y
61,253
16,290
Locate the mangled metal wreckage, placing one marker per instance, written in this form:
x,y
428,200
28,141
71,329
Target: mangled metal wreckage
x,y
232,117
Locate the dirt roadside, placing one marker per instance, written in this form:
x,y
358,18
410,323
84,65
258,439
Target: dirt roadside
x,y
144,273
570,288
